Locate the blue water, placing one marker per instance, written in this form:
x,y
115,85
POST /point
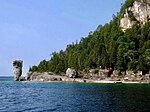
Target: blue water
x,y
72,97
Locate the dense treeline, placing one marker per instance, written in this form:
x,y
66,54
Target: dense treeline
x,y
128,3
107,46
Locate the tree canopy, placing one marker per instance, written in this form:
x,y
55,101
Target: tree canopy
x,y
107,46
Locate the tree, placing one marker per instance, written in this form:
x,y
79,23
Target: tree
x,y
33,68
107,46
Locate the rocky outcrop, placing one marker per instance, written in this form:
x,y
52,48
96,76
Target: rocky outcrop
x,y
71,73
140,11
35,76
126,22
48,77
17,69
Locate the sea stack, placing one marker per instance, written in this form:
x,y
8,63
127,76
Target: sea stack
x,y
17,69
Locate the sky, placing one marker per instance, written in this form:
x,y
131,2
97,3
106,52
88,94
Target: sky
x,y
30,30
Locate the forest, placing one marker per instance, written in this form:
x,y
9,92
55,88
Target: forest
x,y
107,46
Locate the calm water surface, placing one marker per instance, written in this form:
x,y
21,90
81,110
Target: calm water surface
x,y
73,97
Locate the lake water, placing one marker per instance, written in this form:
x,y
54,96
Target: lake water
x,y
72,97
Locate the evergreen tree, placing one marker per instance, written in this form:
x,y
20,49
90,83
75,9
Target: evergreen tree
x,y
106,46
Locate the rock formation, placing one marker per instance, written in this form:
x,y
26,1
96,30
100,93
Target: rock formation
x,y
17,69
140,11
35,76
126,22
71,73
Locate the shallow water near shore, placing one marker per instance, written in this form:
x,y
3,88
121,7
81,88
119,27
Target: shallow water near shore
x,y
72,97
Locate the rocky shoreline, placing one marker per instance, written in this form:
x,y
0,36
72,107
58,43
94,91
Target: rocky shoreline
x,y
49,77
78,80
92,76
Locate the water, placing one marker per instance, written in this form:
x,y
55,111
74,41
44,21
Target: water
x,y
72,97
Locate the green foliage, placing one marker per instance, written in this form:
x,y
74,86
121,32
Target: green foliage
x,y
127,4
33,69
107,46
131,16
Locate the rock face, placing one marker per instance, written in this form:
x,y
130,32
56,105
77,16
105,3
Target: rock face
x,y
126,22
17,69
35,76
140,11
71,73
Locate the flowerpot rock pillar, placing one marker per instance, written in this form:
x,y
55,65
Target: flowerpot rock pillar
x,y
17,69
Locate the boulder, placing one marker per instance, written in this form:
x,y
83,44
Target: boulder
x,y
71,73
17,69
22,79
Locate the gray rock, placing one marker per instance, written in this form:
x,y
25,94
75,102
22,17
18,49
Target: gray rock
x,y
22,79
29,74
126,22
17,69
35,76
71,73
141,12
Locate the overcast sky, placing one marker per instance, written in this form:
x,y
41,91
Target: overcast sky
x,y
31,30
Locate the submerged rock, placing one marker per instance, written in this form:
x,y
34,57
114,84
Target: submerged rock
x,y
17,69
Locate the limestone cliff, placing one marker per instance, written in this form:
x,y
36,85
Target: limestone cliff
x,y
138,12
